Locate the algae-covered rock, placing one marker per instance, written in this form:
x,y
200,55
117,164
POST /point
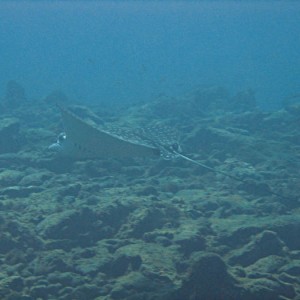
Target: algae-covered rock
x,y
66,279
35,178
270,264
39,291
208,278
265,244
7,243
238,230
255,187
142,221
47,262
79,225
85,291
292,268
269,289
152,259
15,283
10,177
147,190
190,238
123,263
99,260
135,286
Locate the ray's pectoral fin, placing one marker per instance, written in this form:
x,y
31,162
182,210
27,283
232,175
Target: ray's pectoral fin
x,y
83,140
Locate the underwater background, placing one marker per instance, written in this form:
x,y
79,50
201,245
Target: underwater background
x,y
125,51
149,150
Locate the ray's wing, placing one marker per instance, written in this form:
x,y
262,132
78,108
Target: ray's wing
x,y
85,141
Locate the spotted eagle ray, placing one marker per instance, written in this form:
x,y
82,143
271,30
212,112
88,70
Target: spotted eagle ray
x,y
82,140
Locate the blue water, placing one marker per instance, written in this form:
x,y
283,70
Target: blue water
x,y
130,51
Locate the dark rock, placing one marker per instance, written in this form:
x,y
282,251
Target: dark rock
x,y
70,190
292,268
39,291
66,293
270,289
56,260
288,229
265,244
157,262
92,200
97,263
53,289
182,266
7,243
135,286
86,291
190,242
65,278
270,264
93,266
14,283
238,272
82,225
123,263
147,191
15,256
119,292
62,244
294,254
87,253
135,262
114,214
163,240
255,188
10,178
17,296
23,297
238,230
288,278
209,138
145,220
119,266
208,278
35,179
170,187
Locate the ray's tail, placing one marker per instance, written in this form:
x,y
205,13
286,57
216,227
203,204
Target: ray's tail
x,y
209,168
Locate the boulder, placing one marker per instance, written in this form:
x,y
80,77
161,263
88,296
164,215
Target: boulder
x,y
264,244
208,278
